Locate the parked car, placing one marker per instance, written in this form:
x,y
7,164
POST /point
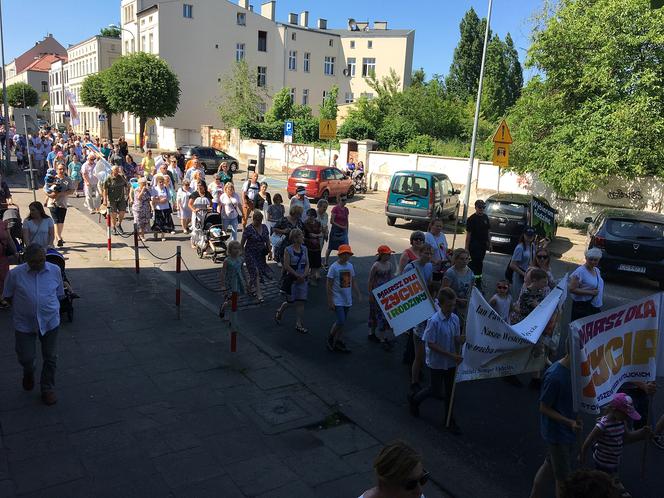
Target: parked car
x,y
509,214
320,182
421,196
210,157
632,242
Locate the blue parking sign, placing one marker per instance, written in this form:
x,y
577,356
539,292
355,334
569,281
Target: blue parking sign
x,y
288,132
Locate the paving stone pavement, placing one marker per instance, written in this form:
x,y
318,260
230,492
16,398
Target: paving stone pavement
x,y
152,406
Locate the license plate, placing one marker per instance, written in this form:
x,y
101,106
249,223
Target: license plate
x,y
503,240
409,203
635,269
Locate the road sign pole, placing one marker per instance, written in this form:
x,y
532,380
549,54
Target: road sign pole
x,y
469,179
329,157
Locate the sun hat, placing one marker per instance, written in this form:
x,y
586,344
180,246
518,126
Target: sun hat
x,y
384,250
345,249
300,190
623,403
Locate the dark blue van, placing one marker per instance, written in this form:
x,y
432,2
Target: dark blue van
x,y
421,196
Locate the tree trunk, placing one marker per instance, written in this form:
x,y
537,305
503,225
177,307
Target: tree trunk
x,y
109,123
143,132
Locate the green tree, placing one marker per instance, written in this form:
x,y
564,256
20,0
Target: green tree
x,y
22,95
418,77
282,106
596,110
464,74
111,32
94,94
328,107
144,85
387,87
514,71
495,96
240,100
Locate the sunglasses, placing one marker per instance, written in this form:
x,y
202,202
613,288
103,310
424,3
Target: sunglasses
x,y
412,483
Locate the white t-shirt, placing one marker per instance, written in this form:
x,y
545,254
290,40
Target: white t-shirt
x,y
439,245
38,232
342,276
230,206
160,192
251,189
589,281
442,331
502,306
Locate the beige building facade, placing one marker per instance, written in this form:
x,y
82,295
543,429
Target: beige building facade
x,y
202,39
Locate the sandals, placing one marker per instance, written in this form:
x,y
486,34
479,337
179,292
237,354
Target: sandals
x,y
301,329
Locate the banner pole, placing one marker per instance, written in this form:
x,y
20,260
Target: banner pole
x,y
449,408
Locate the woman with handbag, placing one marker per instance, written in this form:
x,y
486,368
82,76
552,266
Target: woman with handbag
x,y
256,246
586,286
294,279
229,207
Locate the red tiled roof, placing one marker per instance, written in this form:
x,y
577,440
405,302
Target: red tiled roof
x,y
43,64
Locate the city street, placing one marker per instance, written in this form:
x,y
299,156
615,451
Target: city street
x,y
500,447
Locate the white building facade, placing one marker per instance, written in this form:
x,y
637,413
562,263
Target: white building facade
x,y
202,39
57,84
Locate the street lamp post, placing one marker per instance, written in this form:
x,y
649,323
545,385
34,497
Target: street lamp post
x,y
4,94
473,142
133,37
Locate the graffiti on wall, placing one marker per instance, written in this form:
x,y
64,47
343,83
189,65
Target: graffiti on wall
x,y
219,139
298,154
634,195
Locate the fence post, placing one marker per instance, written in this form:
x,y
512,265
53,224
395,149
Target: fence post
x,y
108,234
233,322
178,267
138,268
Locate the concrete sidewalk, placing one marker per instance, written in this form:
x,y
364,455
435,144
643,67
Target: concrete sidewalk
x,y
154,406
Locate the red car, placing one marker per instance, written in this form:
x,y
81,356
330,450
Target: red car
x,y
320,182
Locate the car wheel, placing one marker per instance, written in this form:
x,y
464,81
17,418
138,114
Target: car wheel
x,y
351,192
391,220
234,167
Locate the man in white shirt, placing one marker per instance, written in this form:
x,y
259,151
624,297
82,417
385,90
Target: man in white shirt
x,y
300,199
250,190
34,290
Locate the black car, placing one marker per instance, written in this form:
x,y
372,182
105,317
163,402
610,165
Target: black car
x,y
210,157
509,214
631,241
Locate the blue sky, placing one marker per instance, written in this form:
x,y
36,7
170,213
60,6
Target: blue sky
x,y
436,22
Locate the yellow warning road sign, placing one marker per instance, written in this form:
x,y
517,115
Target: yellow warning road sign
x,y
501,154
327,129
502,135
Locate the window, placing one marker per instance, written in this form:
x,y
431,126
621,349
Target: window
x,y
411,185
329,66
142,47
369,44
128,14
368,66
239,52
350,62
133,45
292,60
187,11
241,19
126,46
44,85
292,95
331,43
368,95
151,43
307,62
324,94
262,76
293,36
305,96
349,98
352,44
262,41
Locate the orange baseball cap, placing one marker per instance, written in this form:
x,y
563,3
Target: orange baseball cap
x,y
345,249
384,250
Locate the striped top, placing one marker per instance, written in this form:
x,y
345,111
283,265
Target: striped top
x,y
609,446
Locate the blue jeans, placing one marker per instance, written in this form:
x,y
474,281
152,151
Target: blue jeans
x,y
341,313
232,222
26,351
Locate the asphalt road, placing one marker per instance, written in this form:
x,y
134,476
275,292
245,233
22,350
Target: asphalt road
x,y
500,423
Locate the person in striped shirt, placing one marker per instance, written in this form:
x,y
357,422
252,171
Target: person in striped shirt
x,y
610,434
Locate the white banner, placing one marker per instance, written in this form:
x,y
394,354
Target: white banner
x,y
405,301
614,347
495,348
73,112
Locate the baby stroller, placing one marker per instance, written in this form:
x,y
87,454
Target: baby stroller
x,y
12,219
67,302
359,181
209,235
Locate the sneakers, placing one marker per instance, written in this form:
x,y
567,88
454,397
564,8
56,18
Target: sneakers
x,y
49,398
115,231
341,347
61,243
120,229
28,381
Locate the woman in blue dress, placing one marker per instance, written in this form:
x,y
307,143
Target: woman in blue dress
x,y
294,279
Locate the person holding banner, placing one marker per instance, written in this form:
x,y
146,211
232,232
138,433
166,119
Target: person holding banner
x,y
586,286
461,280
559,427
382,271
443,338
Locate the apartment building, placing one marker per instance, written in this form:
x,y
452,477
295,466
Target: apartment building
x,y
202,39
85,58
57,86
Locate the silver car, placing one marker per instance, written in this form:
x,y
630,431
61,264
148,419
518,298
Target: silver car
x,y
210,157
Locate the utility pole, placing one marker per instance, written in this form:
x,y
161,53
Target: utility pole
x,y
4,94
473,142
